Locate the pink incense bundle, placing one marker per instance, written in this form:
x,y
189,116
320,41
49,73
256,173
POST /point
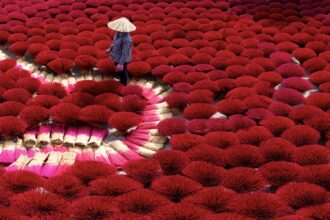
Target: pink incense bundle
x,y
115,158
154,98
61,148
156,91
83,135
52,163
40,75
57,134
35,165
70,136
47,149
153,132
156,118
101,155
71,84
30,138
147,92
98,134
78,151
149,138
140,150
20,163
121,148
43,135
145,144
7,154
64,82
156,112
31,151
147,125
68,158
20,149
88,153
156,106
159,98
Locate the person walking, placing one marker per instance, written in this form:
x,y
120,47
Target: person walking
x,y
121,48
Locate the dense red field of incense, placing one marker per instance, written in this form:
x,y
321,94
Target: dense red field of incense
x,y
249,81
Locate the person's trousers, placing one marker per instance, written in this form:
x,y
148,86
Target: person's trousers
x,y
123,75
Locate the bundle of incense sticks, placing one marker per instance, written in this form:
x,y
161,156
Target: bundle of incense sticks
x,y
80,78
43,135
61,148
156,111
52,163
40,75
83,135
65,83
71,83
30,138
20,149
156,106
68,158
35,165
78,151
70,136
153,132
47,149
7,154
157,94
20,163
157,117
115,158
98,134
49,78
158,98
88,77
140,150
148,137
57,79
124,150
26,65
57,135
88,153
97,78
145,144
101,155
147,125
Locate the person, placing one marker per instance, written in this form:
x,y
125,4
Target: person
x,y
121,48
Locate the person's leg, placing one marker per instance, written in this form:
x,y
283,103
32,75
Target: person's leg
x,y
124,75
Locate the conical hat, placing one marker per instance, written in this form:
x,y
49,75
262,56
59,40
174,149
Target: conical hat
x,y
121,25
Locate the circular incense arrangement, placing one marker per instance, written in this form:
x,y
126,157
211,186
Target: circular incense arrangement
x,y
51,147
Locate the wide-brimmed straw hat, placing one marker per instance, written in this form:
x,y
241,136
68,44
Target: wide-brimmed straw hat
x,y
121,25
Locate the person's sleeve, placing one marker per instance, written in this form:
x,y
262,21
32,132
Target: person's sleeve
x,y
125,51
